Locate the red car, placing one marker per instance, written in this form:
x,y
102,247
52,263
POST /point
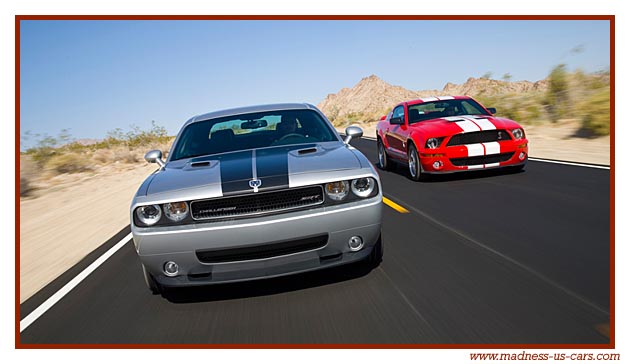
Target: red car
x,y
449,134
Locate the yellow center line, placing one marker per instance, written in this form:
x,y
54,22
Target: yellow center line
x,y
395,206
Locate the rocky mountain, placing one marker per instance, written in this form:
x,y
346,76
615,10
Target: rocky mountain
x,y
372,96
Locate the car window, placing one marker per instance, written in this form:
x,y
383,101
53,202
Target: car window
x,y
399,112
472,108
441,109
249,131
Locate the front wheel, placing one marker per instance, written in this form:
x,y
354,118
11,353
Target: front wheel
x,y
383,160
415,169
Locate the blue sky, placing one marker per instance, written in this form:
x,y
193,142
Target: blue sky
x,y
94,76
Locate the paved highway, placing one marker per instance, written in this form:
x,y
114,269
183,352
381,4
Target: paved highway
x,y
479,258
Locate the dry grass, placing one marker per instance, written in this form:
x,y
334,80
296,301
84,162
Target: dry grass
x,y
28,172
69,163
43,167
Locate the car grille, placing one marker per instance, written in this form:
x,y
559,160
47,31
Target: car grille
x,y
482,159
479,137
262,251
257,203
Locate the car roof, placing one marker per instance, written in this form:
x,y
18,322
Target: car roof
x,y
436,98
250,109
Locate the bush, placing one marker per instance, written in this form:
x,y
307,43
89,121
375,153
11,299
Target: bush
x,y
28,173
25,186
125,155
103,156
595,113
558,93
68,163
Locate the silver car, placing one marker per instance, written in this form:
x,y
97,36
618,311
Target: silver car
x,y
256,192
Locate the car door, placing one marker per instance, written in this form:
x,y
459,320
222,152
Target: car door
x,y
395,133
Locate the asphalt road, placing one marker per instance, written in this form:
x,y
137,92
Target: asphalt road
x,y
481,258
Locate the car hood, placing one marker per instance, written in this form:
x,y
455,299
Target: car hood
x,y
231,173
463,124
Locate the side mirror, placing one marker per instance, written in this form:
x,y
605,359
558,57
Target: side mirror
x,y
492,110
397,121
383,117
154,156
353,132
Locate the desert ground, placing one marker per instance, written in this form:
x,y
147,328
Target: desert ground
x,y
72,214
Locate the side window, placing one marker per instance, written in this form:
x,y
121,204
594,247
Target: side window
x,y
399,112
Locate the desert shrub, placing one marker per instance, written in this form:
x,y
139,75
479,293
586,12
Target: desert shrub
x,y
28,173
68,163
103,156
125,155
26,187
595,112
558,93
138,137
513,112
533,113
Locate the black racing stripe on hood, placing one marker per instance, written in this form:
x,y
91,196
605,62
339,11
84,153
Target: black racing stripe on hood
x,y
236,171
272,165
272,168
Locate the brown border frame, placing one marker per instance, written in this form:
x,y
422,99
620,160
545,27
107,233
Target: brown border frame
x,y
610,18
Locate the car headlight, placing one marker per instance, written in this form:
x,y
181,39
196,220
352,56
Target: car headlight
x,y
518,133
433,143
363,187
176,211
337,190
149,214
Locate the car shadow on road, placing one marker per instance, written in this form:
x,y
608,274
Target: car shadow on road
x,y
459,176
269,286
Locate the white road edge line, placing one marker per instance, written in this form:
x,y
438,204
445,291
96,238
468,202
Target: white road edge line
x,y
52,300
569,163
543,160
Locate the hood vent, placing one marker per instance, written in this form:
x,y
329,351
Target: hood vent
x,y
200,164
307,151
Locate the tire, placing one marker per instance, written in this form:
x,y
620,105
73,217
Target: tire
x,y
413,162
384,162
376,256
153,286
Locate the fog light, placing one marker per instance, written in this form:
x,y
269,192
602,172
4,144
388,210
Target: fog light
x,y
522,156
171,269
438,164
355,243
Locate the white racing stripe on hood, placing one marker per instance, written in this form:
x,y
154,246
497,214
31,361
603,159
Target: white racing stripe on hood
x,y
466,125
483,123
475,150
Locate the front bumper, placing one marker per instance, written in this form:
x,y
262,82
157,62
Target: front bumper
x,y
446,156
180,244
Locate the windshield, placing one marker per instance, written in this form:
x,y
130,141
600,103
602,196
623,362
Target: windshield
x,y
249,131
441,109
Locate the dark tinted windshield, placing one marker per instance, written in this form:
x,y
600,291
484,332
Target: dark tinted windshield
x,y
248,131
446,108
